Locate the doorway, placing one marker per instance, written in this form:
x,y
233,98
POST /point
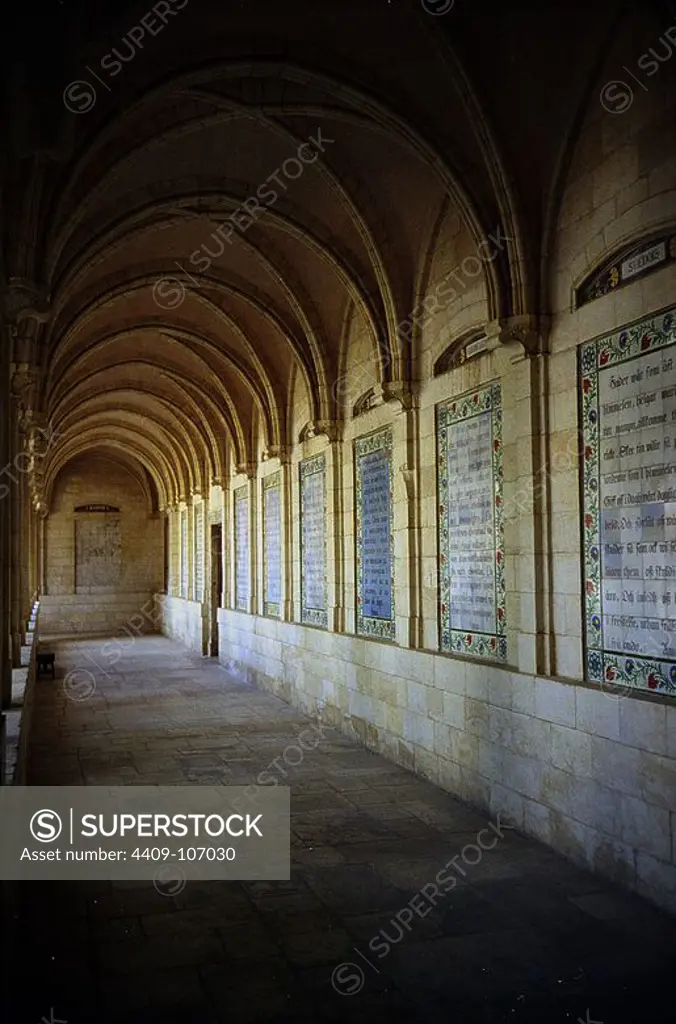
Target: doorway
x,y
216,584
167,554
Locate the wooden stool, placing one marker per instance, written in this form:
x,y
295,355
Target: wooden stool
x,y
46,664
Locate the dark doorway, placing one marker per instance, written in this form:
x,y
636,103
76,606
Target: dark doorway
x,y
166,554
216,584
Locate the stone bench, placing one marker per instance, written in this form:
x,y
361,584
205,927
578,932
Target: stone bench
x,y
46,663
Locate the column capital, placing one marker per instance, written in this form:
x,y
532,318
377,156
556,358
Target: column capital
x,y
371,399
282,452
24,299
24,384
330,429
37,421
409,478
528,332
401,391
26,308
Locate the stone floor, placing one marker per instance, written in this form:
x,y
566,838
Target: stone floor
x,y
523,936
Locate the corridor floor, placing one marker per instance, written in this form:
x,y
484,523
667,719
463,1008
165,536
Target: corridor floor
x,y
523,936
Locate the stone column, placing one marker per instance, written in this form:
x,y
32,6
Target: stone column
x,y
176,555
42,553
287,532
254,588
227,546
171,575
524,382
325,437
183,545
405,426
24,385
335,531
32,575
281,453
245,475
190,562
16,542
5,524
26,538
29,534
36,554
24,310
410,474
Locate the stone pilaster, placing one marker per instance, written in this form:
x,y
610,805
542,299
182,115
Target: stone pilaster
x,y
5,527
227,543
26,539
42,552
286,512
15,503
24,384
327,437
407,524
524,343
25,309
254,588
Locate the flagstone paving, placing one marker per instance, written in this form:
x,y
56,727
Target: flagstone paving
x,y
521,936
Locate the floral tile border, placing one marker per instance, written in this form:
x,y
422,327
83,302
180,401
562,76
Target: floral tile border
x,y
270,483
614,275
478,644
608,667
241,496
382,629
313,616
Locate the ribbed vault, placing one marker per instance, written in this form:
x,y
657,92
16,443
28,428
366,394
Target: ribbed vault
x,y
217,236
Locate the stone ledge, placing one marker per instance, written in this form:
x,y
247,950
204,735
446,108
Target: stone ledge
x,y
12,740
19,684
20,713
575,828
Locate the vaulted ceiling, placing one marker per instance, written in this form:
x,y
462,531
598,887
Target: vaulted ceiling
x,y
171,344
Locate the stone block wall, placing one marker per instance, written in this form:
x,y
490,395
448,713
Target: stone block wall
x,y
73,614
183,620
123,571
588,773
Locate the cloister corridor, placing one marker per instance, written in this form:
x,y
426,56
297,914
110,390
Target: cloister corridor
x,y
338,404
523,936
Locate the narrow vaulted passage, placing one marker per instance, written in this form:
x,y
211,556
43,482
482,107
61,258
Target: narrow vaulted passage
x,y
338,399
